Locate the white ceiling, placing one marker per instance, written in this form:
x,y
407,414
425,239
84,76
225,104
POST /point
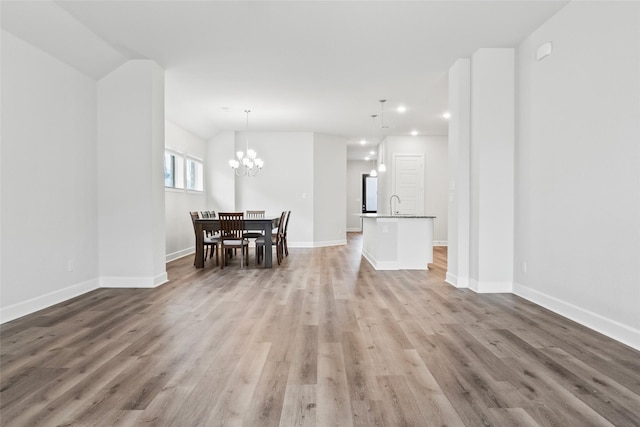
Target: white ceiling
x,y
317,66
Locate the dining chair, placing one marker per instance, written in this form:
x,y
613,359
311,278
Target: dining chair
x,y
208,214
231,231
284,234
276,240
210,242
253,234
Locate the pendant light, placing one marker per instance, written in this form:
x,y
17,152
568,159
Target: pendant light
x,y
249,159
381,166
373,172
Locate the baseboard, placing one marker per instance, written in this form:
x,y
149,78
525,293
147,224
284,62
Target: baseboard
x,y
380,265
179,254
458,282
455,281
440,243
387,265
317,244
47,300
133,282
490,287
354,230
611,328
330,243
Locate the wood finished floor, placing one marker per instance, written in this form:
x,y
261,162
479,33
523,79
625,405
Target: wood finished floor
x,y
322,340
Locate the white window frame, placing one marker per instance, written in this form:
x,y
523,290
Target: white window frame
x,y
178,169
199,174
181,162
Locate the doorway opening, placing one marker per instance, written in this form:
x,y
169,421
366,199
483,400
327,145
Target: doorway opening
x,y
369,194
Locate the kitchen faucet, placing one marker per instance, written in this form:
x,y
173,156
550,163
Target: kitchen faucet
x,y
391,203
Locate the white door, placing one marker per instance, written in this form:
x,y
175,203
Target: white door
x,y
408,183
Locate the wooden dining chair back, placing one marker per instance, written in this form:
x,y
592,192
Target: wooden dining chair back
x,y
284,234
231,235
210,242
255,214
276,240
249,234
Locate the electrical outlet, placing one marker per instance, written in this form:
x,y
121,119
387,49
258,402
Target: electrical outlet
x,y
70,265
523,266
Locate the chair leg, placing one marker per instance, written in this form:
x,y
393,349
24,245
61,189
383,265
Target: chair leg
x,y
286,248
217,255
279,253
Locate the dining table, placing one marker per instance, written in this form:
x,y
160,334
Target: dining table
x,y
266,225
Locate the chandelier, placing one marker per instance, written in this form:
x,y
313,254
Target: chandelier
x,y
252,165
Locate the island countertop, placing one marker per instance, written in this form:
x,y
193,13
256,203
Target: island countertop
x,y
375,215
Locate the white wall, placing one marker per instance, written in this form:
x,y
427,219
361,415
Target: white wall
x,y
220,182
578,168
179,202
459,173
434,149
492,170
49,180
285,183
131,176
329,190
355,170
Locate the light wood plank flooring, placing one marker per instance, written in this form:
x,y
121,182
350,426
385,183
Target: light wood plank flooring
x,y
322,340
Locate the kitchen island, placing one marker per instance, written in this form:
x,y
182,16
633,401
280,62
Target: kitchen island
x,y
397,242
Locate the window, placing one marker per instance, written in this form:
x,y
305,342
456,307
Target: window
x,y
195,178
173,170
169,170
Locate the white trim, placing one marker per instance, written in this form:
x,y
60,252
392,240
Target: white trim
x,y
183,253
451,279
47,300
440,243
322,244
133,282
380,265
161,279
609,327
354,230
490,287
387,265
330,243
462,282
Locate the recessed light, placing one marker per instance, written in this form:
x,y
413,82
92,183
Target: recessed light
x,y
366,158
446,115
401,109
414,132
371,153
363,141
